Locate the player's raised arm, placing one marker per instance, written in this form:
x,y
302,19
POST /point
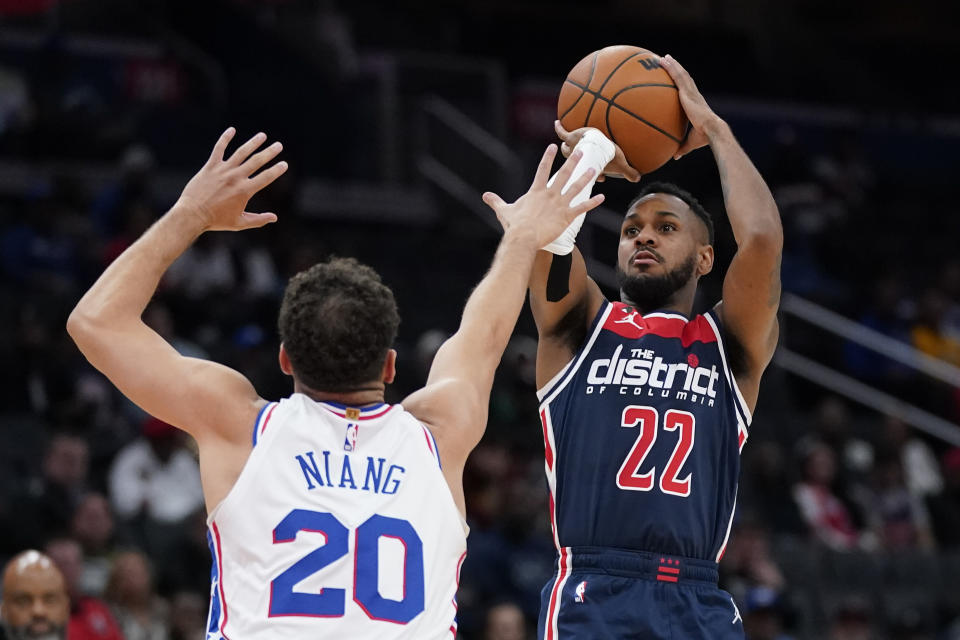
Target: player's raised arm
x,y
201,397
454,401
563,297
751,289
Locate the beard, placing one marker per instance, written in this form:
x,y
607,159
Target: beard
x,y
649,292
56,632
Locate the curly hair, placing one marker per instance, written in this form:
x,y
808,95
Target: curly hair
x,y
337,322
671,189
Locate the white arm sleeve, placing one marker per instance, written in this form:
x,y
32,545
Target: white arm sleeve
x,y
598,151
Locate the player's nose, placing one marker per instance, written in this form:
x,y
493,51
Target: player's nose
x,y
646,237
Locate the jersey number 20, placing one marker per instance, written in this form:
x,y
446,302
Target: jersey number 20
x,y
329,602
629,476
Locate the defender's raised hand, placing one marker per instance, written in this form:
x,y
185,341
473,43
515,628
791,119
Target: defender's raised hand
x,y
545,211
702,118
220,191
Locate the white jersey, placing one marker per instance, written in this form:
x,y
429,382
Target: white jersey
x,y
341,525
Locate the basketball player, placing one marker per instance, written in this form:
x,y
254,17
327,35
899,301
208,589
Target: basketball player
x,y
331,514
645,407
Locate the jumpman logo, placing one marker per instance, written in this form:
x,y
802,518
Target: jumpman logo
x,y
629,319
736,612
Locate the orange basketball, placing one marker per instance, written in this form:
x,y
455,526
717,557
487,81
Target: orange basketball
x,y
623,92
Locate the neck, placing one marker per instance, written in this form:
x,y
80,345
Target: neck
x,y
680,302
370,393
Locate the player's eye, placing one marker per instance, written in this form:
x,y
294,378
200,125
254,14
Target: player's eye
x,y
666,228
631,231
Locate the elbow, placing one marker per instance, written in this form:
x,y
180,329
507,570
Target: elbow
x,y
81,326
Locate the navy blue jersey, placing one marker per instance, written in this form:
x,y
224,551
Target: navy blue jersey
x,y
643,431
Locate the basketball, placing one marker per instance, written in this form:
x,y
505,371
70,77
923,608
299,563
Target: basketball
x,y
623,92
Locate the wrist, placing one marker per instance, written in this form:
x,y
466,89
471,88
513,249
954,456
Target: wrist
x,y
520,239
716,129
188,217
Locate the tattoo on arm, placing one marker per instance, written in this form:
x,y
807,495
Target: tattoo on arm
x,y
558,280
775,286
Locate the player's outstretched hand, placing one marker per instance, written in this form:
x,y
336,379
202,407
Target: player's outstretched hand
x,y
616,168
220,191
543,211
699,113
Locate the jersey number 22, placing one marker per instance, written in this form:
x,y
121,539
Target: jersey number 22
x,y
629,476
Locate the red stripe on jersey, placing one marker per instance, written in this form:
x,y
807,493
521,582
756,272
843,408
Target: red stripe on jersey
x,y
561,578
385,410
667,579
673,570
267,419
741,438
629,323
223,597
548,451
426,437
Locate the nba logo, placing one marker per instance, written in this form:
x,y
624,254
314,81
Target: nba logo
x,y
580,594
350,441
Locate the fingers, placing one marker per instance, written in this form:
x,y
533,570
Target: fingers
x,y
566,149
268,176
587,205
221,146
261,158
546,162
562,133
253,220
247,148
567,169
678,73
493,201
631,174
579,185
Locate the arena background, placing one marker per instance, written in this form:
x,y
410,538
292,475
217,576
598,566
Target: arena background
x,y
394,117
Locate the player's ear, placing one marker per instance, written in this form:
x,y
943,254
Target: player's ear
x,y
390,366
704,260
285,365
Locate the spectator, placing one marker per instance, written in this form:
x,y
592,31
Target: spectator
x,y
141,614
852,620
48,502
763,615
917,459
505,622
945,508
747,561
155,484
90,617
928,332
188,616
35,601
92,527
766,487
898,517
826,516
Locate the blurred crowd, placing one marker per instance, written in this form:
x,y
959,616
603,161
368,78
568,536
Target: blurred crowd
x,y
848,522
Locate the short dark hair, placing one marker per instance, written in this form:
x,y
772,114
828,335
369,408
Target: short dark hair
x,y
337,322
673,190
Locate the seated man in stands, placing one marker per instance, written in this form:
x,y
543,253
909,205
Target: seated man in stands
x,y
35,601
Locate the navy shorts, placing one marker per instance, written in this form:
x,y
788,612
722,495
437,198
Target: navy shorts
x,y
617,594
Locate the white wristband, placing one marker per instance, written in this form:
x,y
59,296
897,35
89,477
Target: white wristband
x,y
598,151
